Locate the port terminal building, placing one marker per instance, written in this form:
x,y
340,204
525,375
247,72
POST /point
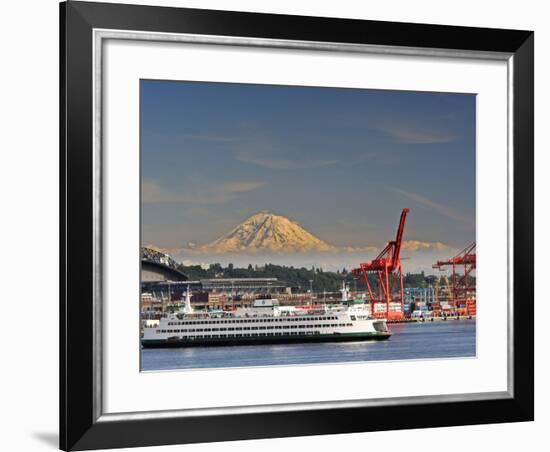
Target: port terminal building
x,y
213,293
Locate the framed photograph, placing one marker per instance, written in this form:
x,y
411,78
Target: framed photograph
x,y
284,226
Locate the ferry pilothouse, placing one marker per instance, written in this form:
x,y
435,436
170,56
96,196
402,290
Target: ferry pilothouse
x,y
265,322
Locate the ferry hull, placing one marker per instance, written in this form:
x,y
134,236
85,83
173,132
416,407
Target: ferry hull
x,y
262,340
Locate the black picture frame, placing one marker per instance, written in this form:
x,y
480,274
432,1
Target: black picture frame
x,y
80,427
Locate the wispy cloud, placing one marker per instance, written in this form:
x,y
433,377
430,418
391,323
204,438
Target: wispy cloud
x,y
414,134
214,137
416,245
210,253
241,186
357,249
282,164
151,192
442,209
216,193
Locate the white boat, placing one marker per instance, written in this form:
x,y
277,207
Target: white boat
x,y
264,322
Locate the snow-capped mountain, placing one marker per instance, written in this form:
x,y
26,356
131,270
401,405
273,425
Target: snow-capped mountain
x,y
266,231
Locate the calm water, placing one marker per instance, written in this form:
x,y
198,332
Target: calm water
x,y
452,338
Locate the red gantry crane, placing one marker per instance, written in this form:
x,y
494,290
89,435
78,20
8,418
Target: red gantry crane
x,y
388,270
462,293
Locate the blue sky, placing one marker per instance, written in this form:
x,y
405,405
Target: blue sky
x,y
341,162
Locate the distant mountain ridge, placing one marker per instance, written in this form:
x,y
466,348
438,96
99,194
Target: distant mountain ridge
x,y
266,231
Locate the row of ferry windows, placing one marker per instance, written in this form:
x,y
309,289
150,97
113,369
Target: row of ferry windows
x,y
200,330
262,320
300,333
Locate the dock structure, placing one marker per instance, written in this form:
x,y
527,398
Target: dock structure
x,y
465,261
389,299
462,266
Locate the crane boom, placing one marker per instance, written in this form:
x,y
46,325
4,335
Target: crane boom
x,y
399,238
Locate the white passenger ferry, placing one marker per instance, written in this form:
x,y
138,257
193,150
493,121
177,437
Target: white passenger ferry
x,y
265,322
